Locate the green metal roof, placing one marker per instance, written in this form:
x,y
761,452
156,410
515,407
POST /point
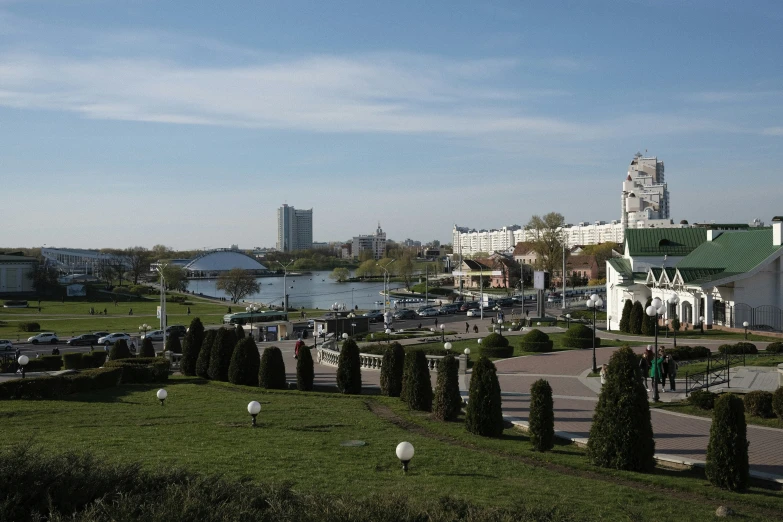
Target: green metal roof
x,y
664,241
730,254
621,265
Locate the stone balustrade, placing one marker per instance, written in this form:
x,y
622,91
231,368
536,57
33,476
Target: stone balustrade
x,y
329,357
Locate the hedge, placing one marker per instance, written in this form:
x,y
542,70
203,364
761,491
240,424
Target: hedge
x,y
305,370
542,416
738,349
418,386
687,353
204,355
759,403
495,345
120,350
580,336
54,386
727,452
776,347
80,361
45,363
380,349
29,327
245,362
777,403
536,341
142,369
702,399
447,402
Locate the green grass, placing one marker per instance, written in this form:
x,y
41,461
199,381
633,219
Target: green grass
x,y
205,427
684,407
685,337
750,360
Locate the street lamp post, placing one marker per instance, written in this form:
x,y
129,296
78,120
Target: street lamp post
x,y
143,329
655,309
386,281
701,324
500,327
160,269
388,335
23,360
745,325
568,320
595,303
251,310
442,333
285,288
254,408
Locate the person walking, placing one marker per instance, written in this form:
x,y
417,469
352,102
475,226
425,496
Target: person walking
x,y
644,366
664,368
436,322
467,327
672,366
656,368
604,369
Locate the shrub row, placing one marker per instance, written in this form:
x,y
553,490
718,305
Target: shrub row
x,y
687,353
142,369
52,387
380,349
29,327
738,349
81,361
45,363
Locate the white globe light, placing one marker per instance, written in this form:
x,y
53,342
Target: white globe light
x,y
162,394
388,331
599,303
568,316
674,299
594,297
345,336
23,360
589,303
404,451
661,310
254,408
447,346
479,340
746,324
466,351
651,311
656,303
442,326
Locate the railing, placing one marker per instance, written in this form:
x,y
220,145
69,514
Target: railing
x,y
330,357
718,372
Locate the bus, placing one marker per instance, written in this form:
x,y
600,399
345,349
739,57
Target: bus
x,y
264,316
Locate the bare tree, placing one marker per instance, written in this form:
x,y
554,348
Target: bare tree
x,y
238,283
548,242
139,259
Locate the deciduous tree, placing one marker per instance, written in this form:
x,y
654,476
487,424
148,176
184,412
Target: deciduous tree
x,y
238,283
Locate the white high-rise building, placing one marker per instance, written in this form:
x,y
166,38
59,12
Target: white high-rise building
x,y
645,197
375,243
294,229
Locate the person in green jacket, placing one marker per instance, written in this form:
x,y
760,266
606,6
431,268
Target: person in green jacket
x,y
656,371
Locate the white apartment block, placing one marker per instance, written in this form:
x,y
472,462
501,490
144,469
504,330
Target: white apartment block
x,y
294,229
375,243
645,197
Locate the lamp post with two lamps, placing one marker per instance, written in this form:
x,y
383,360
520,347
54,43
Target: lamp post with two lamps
x,y
656,309
251,310
595,302
143,329
285,288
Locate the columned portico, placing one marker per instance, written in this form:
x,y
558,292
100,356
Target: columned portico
x,y
708,308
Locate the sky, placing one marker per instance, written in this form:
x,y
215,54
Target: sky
x,y
188,123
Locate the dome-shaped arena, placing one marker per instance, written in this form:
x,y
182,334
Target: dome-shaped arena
x,y
215,262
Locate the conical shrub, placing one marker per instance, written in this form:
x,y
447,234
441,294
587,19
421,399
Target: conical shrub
x,y
392,367
205,354
484,415
407,375
271,372
637,317
349,369
220,358
448,401
192,347
419,394
625,319
648,323
727,452
119,350
147,349
173,345
621,436
239,331
542,416
305,373
245,363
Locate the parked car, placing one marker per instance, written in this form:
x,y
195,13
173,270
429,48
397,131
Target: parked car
x,y
83,340
448,309
154,335
405,314
5,344
113,338
176,330
43,338
506,301
427,312
474,312
470,305
374,315
101,334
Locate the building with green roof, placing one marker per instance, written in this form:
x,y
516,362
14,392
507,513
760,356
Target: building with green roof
x,y
723,277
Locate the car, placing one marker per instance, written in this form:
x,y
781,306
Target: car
x,y
448,309
113,338
373,315
405,314
470,305
427,312
177,330
84,339
5,344
474,312
101,334
44,338
154,335
506,301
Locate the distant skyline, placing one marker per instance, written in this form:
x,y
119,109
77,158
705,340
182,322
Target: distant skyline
x,y
189,123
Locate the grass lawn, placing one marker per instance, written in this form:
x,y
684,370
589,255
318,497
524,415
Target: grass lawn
x,y
205,427
750,360
684,407
688,337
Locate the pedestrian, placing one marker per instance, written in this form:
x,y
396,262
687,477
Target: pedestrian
x,y
475,328
130,312
105,311
491,320
644,366
655,372
467,327
672,372
297,347
436,322
604,369
188,310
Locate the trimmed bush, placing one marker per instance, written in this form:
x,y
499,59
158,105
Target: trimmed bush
x,y
687,353
484,415
448,401
759,403
495,345
702,399
621,436
542,416
119,350
220,358
45,363
392,367
738,349
380,349
72,361
29,327
777,403
625,319
648,323
147,349
245,363
142,370
636,319
54,386
727,452
239,332
191,347
776,347
205,354
271,371
349,369
94,359
305,372
419,386
173,345
580,336
536,341
79,361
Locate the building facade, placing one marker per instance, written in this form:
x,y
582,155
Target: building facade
x,y
15,273
374,243
645,196
294,229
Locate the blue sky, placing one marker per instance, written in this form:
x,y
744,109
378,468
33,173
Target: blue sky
x,y
188,123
